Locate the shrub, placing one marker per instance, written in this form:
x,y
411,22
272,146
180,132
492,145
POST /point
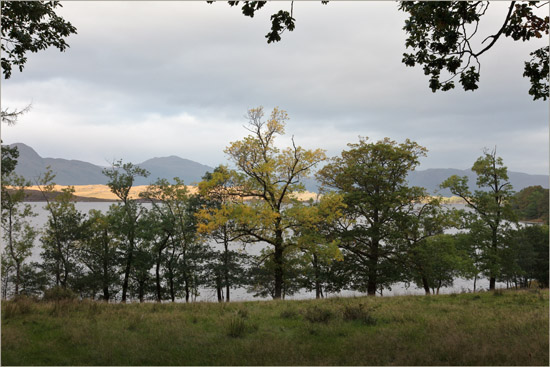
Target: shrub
x,y
358,312
318,314
58,294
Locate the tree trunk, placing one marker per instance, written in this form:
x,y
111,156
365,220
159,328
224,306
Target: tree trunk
x,y
141,291
57,274
278,259
105,277
17,277
318,290
186,290
172,293
475,281
426,285
492,277
226,263
127,271
157,276
492,283
219,290
372,279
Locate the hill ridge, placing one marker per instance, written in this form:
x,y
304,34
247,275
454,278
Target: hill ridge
x,y
78,172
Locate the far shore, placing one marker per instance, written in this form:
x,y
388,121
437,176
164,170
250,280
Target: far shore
x,y
99,193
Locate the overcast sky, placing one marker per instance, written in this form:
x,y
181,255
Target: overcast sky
x,y
153,79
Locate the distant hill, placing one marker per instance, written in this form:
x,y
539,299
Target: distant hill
x,y
68,172
431,179
74,172
169,167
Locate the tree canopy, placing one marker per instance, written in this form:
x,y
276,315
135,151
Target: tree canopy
x,y
441,36
30,26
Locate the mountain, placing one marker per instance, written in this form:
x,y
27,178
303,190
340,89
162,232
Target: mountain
x,y
67,172
431,179
74,172
169,167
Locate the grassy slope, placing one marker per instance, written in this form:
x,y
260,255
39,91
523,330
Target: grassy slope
x,y
506,328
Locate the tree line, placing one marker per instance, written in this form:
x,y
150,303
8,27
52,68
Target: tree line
x,y
366,231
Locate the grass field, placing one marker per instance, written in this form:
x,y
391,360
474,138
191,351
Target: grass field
x,y
500,328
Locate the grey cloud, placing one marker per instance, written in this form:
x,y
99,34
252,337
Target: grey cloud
x,y
338,73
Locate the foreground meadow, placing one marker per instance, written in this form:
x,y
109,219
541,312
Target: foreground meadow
x,y
489,328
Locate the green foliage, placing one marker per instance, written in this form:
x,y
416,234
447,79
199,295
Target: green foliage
x,y
492,212
280,21
537,71
440,33
526,257
121,179
9,161
437,261
216,220
371,177
269,176
17,234
98,252
30,26
531,203
62,233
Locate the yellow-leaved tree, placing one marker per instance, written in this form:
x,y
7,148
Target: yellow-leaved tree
x,y
267,180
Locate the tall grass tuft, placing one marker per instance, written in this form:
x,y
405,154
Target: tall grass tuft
x,y
236,327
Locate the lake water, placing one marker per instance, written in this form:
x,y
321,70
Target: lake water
x,y
240,294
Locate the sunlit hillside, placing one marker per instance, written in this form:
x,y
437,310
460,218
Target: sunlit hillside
x,y
103,191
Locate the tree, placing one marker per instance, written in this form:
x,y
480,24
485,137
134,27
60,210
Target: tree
x,y
62,233
492,211
217,189
437,261
121,179
427,255
316,241
531,203
9,161
269,177
440,33
98,252
526,257
17,233
372,179
30,26
176,245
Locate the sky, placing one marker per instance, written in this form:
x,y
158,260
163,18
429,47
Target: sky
x,y
154,79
